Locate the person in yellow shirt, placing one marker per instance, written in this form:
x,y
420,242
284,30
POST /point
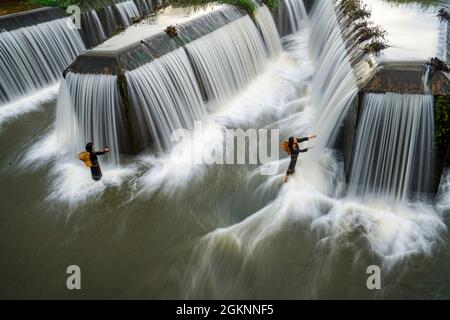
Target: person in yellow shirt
x,y
293,149
89,157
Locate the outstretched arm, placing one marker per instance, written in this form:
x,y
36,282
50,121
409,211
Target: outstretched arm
x,y
304,150
306,138
99,153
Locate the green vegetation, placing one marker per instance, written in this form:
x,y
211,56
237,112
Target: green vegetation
x,y
371,37
10,7
442,120
65,3
355,10
246,5
271,4
443,15
55,3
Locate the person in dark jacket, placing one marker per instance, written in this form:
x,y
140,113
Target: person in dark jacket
x,y
89,157
293,145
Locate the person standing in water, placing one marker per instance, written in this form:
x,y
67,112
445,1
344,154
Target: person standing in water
x,y
293,149
89,157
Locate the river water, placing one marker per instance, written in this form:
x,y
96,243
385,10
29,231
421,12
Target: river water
x,y
155,228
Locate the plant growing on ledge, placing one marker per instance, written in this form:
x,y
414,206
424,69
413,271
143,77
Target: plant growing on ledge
x,y
136,19
357,14
355,10
437,64
365,33
375,47
171,31
443,15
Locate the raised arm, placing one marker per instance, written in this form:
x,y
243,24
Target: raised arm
x,y
304,150
99,153
300,140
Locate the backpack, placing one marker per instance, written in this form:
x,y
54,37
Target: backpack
x,y
86,158
285,147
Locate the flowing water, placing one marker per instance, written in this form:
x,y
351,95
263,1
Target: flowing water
x,y
425,81
159,227
92,29
394,145
399,19
33,58
168,97
127,11
290,15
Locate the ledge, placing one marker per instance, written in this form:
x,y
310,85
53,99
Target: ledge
x,y
31,17
406,77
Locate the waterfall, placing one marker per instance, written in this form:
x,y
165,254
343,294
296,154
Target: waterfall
x,y
394,144
165,96
88,110
34,57
110,19
334,84
167,93
92,29
425,80
228,58
127,10
290,14
144,6
268,31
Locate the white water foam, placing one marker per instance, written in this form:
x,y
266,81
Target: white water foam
x,y
72,183
271,95
33,102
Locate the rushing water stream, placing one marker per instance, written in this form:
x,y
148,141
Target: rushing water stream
x,y
158,227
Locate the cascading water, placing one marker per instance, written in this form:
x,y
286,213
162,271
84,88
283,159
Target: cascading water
x,y
166,97
248,236
92,29
144,6
425,80
290,14
33,57
88,110
228,58
127,10
166,94
111,22
268,31
394,145
334,85
313,228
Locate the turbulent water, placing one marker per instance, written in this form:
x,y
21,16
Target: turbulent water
x,y
94,100
161,227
